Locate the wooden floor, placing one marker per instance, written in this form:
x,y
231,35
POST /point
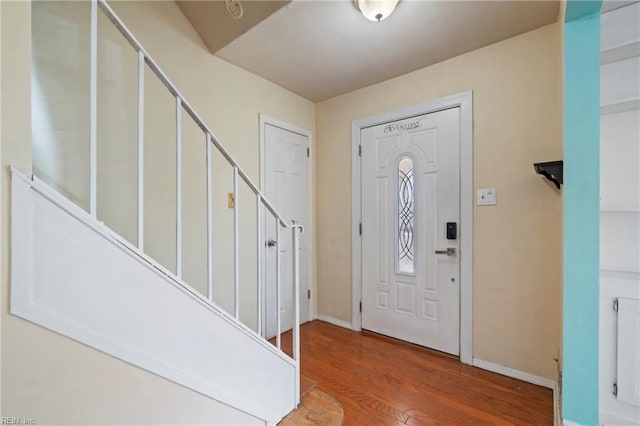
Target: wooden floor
x,y
316,408
381,381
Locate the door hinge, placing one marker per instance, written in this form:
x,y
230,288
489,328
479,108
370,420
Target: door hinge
x,y
359,150
360,306
360,228
615,305
615,389
308,293
308,152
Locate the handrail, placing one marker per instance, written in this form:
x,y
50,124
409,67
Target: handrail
x,y
211,140
262,206
189,109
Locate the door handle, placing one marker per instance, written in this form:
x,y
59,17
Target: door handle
x,y
450,251
271,243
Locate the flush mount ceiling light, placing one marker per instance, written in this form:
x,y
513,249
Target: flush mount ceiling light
x,y
376,10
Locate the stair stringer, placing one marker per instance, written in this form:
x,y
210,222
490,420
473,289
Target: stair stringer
x,y
71,274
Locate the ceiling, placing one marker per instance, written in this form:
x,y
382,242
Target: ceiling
x,y
321,49
217,27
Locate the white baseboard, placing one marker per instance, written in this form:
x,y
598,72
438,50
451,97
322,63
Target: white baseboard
x,y
609,418
334,321
516,374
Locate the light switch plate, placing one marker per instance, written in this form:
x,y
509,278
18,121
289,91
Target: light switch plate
x,y
487,197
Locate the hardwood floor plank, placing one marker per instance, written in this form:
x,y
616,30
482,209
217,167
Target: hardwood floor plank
x,y
316,408
306,385
381,381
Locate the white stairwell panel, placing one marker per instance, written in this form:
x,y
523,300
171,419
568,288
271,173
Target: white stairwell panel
x,y
629,351
71,275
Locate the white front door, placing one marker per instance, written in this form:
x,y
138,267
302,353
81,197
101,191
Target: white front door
x,y
410,197
286,167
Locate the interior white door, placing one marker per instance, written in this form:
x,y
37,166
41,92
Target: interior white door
x,y
286,173
410,191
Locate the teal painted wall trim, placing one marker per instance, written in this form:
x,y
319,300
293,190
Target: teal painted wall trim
x,y
581,213
580,8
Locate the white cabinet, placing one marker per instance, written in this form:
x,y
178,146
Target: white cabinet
x,y
620,217
628,386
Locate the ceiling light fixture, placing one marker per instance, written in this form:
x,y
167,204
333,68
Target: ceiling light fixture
x,y
234,7
376,10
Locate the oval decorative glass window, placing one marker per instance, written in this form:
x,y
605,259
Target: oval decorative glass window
x,y
406,245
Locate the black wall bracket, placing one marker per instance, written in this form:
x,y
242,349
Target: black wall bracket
x,y
552,170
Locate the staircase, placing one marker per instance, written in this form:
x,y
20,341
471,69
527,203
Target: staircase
x,y
73,274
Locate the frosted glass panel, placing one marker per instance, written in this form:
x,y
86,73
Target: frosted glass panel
x,y
60,96
406,246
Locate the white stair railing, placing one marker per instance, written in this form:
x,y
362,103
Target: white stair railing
x,y
262,204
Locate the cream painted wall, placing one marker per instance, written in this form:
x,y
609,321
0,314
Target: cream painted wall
x,y
517,275
54,379
229,100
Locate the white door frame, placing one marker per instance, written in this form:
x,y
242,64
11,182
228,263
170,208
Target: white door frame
x,y
464,101
309,225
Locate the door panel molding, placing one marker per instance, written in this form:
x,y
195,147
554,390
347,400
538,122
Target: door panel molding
x,y
464,101
310,225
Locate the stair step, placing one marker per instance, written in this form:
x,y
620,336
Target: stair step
x,y
316,408
306,385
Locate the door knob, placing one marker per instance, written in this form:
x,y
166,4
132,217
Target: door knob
x,y
271,243
450,251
